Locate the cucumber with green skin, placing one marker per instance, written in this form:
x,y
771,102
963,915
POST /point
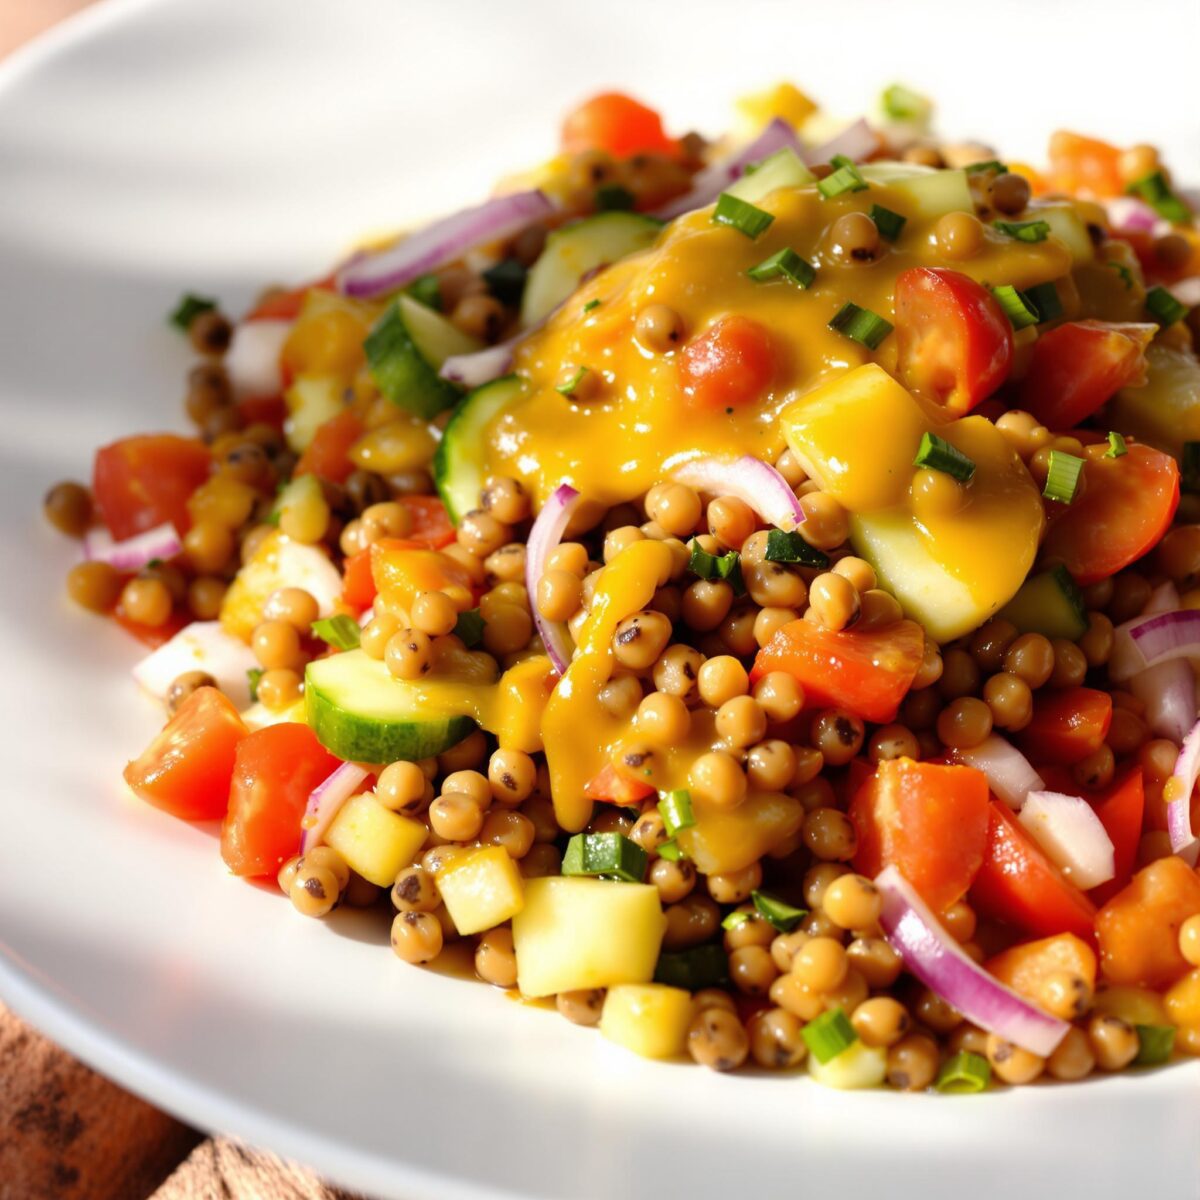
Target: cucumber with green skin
x,y
781,169
405,352
1049,603
459,464
360,712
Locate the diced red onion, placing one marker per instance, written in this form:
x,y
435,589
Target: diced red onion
x,y
938,961
325,802
133,553
252,361
200,646
1168,690
544,536
709,183
1187,291
373,273
1071,835
1179,810
1148,640
1009,773
750,479
474,370
1128,214
855,142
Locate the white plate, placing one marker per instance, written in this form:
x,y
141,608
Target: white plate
x,y
215,144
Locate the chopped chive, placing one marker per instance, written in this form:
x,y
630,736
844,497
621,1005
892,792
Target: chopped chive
x,y
1116,445
726,566
426,290
1062,479
1155,1043
1017,307
1123,271
938,455
1163,307
887,222
828,1035
190,306
611,855
675,808
1024,231
506,280
670,851
789,547
741,215
1045,299
784,264
700,967
253,676
569,388
469,627
990,164
736,919
1189,469
612,197
964,1073
784,916
1156,192
860,325
845,179
903,104
341,632
591,304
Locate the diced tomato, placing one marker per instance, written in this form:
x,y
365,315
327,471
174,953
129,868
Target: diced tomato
x,y
430,522
263,410
1078,366
1017,883
274,771
404,569
144,481
286,305
152,636
865,671
732,363
1126,505
1153,266
187,768
1083,164
618,124
1068,724
612,787
327,455
955,343
358,584
1120,807
927,820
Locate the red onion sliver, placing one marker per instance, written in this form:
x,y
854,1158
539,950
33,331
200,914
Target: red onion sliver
x,y
371,274
1071,836
1179,810
938,961
1168,691
750,479
252,361
1009,773
856,142
1187,291
325,802
545,535
474,370
1129,214
133,553
1148,640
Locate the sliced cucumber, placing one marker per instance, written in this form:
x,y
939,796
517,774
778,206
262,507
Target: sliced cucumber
x,y
781,169
458,465
1049,603
927,193
576,249
1066,225
358,711
406,350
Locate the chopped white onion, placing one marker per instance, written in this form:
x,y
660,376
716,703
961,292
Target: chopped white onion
x,y
253,359
200,646
750,479
1071,835
474,370
132,554
856,142
1009,773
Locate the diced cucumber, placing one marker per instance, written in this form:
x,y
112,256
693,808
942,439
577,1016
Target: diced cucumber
x,y
576,249
458,465
1049,603
1066,225
1165,410
405,351
781,169
927,193
358,711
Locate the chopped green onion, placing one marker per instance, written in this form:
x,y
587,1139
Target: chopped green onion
x,y
1163,307
860,325
1116,445
741,215
426,290
964,1073
190,306
612,197
675,808
726,566
736,919
1024,231
611,855
253,676
989,164
587,308
778,912
1045,299
469,628
1156,192
670,851
790,547
569,388
1189,469
341,632
845,179
887,222
903,104
506,280
784,264
1062,479
938,455
1155,1043
1123,271
1017,307
700,967
828,1035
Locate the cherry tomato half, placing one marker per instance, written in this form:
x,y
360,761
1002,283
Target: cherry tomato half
x,y
732,363
144,481
618,124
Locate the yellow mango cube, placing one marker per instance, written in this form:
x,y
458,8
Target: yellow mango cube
x,y
373,840
481,889
650,1019
858,1066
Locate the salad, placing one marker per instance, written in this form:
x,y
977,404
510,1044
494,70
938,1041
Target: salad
x,y
744,593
